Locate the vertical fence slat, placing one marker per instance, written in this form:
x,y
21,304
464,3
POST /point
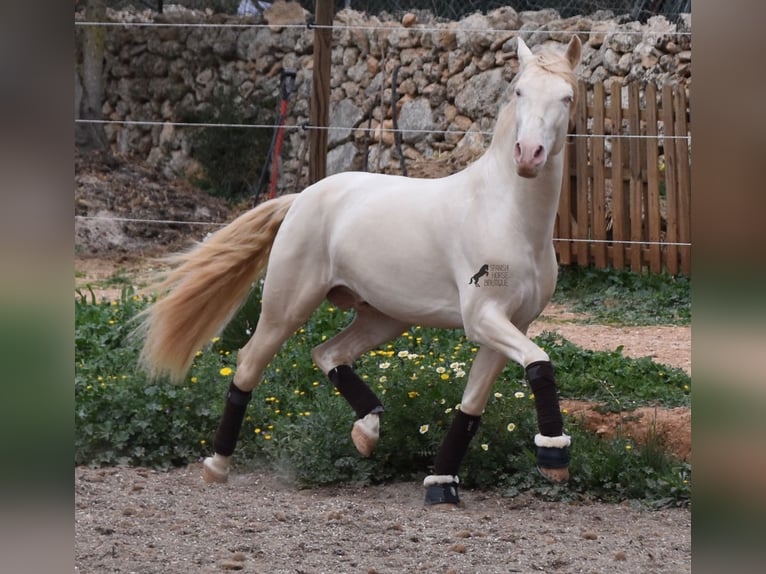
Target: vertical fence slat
x,y
671,192
684,183
564,229
654,218
582,176
618,194
635,185
598,198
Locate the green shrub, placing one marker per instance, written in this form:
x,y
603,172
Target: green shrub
x,y
233,157
625,297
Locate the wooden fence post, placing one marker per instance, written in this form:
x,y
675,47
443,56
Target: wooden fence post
x,y
320,92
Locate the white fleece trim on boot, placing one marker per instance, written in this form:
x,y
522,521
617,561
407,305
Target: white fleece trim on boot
x,y
553,441
440,479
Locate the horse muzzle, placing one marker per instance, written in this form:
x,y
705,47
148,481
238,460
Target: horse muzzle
x,y
529,158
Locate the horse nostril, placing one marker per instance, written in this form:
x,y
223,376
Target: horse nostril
x,y
538,152
517,151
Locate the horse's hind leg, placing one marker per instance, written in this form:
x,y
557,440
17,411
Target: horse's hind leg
x,y
369,329
275,325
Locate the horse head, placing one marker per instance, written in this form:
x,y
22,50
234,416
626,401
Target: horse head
x,y
542,103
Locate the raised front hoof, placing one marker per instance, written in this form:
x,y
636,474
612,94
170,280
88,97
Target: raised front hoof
x,y
365,433
557,475
213,473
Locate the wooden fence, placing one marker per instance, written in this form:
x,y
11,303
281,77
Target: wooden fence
x,y
625,201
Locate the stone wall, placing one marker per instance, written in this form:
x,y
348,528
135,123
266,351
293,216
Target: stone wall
x,y
451,78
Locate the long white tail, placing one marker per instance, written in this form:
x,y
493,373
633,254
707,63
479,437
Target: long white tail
x,y
205,288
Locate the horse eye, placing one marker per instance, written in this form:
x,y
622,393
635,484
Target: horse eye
x,y
567,99
518,92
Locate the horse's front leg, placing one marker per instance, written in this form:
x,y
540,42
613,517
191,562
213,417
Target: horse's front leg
x,y
495,330
442,485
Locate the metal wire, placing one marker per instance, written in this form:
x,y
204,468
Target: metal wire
x,y
452,9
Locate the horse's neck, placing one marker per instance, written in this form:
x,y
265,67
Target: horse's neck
x,y
532,203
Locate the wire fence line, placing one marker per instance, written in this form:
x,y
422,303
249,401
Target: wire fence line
x,y
342,27
103,218
306,126
444,9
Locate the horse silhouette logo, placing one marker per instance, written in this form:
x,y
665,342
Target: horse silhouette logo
x,y
479,274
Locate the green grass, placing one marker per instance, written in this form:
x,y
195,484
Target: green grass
x,y
297,424
624,297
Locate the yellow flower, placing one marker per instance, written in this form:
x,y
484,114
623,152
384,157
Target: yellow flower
x,y
498,395
267,437
485,446
423,429
413,394
215,339
518,395
440,370
193,380
203,442
511,427
257,430
315,384
403,354
628,447
226,371
444,377
384,365
565,411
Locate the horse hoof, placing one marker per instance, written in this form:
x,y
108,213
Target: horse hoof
x,y
365,433
443,496
442,491
212,473
557,475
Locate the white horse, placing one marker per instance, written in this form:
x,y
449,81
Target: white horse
x,y
473,250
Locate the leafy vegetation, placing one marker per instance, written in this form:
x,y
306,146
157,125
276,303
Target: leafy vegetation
x,y
624,297
298,424
233,157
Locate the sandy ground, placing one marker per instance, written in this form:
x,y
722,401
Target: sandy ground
x,y
143,521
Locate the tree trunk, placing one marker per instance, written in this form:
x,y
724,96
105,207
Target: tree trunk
x,y
89,81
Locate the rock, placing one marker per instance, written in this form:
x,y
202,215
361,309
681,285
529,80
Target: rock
x,y
409,20
341,158
415,115
345,115
281,12
481,93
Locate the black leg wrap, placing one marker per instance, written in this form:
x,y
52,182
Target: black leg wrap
x,y
355,391
543,384
552,457
231,422
442,494
455,443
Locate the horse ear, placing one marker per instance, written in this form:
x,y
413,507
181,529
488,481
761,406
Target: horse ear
x,y
574,51
523,51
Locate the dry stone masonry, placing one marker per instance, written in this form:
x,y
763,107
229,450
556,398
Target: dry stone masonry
x,y
451,77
